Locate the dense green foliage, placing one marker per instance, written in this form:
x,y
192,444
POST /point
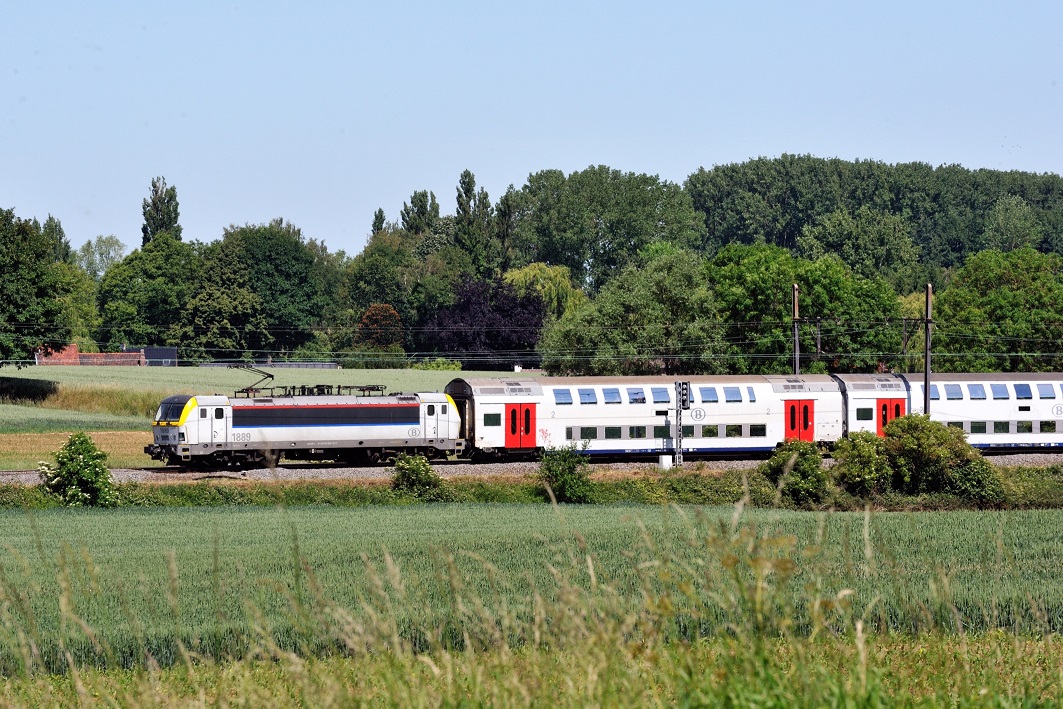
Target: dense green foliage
x,y
565,472
80,477
796,470
635,274
414,475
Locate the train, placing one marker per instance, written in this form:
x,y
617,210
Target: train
x,y
519,416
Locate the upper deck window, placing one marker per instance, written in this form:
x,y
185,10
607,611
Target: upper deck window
x,y
732,394
934,395
635,395
612,396
977,391
587,396
1000,391
1023,391
562,396
708,395
1046,391
752,396
953,391
660,395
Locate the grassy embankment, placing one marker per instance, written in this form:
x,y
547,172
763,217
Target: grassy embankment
x,y
40,406
527,604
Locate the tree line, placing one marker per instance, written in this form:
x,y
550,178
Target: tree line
x,y
598,271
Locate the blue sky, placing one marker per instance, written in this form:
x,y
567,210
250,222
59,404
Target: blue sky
x,y
320,112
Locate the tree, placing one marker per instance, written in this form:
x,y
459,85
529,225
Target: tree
x,y
488,326
380,327
473,222
1001,312
596,221
651,320
224,317
378,220
30,291
161,213
1011,225
421,214
97,255
552,283
53,231
753,288
281,270
142,299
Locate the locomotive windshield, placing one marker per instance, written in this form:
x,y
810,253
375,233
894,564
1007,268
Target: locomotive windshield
x,y
171,408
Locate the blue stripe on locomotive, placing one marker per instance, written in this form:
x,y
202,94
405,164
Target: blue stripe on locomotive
x,y
310,416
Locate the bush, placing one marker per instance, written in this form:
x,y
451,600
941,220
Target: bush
x,y
80,477
979,481
439,364
860,464
566,472
415,475
799,465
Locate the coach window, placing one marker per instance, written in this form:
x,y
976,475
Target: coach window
x,y
1046,391
734,430
636,396
752,396
587,396
864,414
688,431
934,395
568,433
492,419
660,395
611,396
219,413
1000,391
588,433
708,395
431,410
977,391
562,396
1002,427
1022,391
636,431
758,430
1048,426
977,426
710,431
662,432
732,395
612,432
1024,427
955,424
953,391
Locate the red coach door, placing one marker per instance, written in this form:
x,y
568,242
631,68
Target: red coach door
x,y
887,410
800,420
520,426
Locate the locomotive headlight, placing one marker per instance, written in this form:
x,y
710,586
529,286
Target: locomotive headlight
x,y
181,436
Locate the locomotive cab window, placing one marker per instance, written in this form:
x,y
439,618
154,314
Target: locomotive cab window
x,y
708,395
431,410
219,413
202,413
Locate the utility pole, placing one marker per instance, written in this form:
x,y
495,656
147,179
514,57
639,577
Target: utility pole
x,y
926,351
797,342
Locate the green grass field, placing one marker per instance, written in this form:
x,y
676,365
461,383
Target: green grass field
x,y
439,575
